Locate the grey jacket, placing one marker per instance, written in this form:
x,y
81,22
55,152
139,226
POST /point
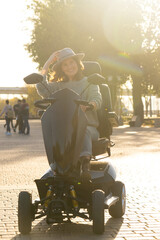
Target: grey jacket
x,y
5,110
88,92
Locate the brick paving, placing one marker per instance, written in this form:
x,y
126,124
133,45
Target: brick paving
x,y
135,156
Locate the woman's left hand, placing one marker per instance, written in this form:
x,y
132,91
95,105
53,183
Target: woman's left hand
x,y
85,108
93,104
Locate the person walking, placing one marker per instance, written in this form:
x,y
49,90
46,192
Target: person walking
x,y
18,115
25,117
9,115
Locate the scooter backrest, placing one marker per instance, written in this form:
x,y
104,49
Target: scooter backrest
x,y
93,71
91,67
105,128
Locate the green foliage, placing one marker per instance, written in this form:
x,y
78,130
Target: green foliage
x,y
76,24
32,97
151,58
127,43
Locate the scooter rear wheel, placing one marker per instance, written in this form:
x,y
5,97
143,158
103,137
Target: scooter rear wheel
x,y
24,212
98,211
118,210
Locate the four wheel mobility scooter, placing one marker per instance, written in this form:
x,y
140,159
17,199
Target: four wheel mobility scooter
x,y
62,193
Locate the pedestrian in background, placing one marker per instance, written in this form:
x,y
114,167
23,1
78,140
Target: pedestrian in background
x,y
18,114
25,117
9,115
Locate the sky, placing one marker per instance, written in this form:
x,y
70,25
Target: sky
x,y
15,30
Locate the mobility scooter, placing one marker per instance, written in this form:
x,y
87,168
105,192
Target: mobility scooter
x,y
63,195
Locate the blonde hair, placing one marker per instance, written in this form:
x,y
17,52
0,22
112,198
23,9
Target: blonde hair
x,y
58,76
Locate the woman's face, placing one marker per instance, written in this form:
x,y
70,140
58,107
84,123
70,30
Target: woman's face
x,y
70,68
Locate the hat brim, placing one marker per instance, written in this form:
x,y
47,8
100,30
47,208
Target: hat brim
x,y
80,56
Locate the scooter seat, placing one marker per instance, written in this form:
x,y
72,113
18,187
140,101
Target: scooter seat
x,y
101,146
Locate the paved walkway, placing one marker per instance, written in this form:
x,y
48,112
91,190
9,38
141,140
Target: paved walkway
x,y
136,157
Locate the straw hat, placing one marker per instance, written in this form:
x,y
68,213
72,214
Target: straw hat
x,y
64,54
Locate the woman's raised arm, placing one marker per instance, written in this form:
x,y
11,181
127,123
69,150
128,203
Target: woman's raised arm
x,y
51,60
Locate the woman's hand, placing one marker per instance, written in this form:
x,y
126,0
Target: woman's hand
x,y
52,59
94,104
85,108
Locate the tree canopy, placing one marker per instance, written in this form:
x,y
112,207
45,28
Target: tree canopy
x,y
123,35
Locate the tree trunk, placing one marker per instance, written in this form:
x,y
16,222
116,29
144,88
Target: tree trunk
x,y
113,90
137,100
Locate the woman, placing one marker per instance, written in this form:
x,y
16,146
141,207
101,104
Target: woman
x,y
68,73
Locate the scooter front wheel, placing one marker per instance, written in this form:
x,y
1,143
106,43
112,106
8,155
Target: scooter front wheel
x,y
98,197
24,212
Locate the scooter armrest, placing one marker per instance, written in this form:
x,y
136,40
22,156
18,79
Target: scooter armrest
x,y
44,103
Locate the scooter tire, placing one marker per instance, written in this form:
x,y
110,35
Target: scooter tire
x,y
118,209
24,212
98,197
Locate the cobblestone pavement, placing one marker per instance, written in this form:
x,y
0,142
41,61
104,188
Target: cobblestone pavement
x,y
136,157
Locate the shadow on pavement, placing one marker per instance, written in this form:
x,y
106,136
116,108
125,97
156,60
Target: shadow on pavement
x,y
69,231
113,226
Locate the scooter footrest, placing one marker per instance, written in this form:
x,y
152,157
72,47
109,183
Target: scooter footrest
x,y
109,201
98,165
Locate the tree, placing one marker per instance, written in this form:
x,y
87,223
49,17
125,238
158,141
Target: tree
x,y
115,33
80,28
32,97
58,24
151,43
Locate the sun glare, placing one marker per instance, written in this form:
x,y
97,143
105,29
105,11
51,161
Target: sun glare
x,y
14,61
125,22
11,96
118,24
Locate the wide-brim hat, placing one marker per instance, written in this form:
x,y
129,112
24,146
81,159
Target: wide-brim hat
x,y
64,54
